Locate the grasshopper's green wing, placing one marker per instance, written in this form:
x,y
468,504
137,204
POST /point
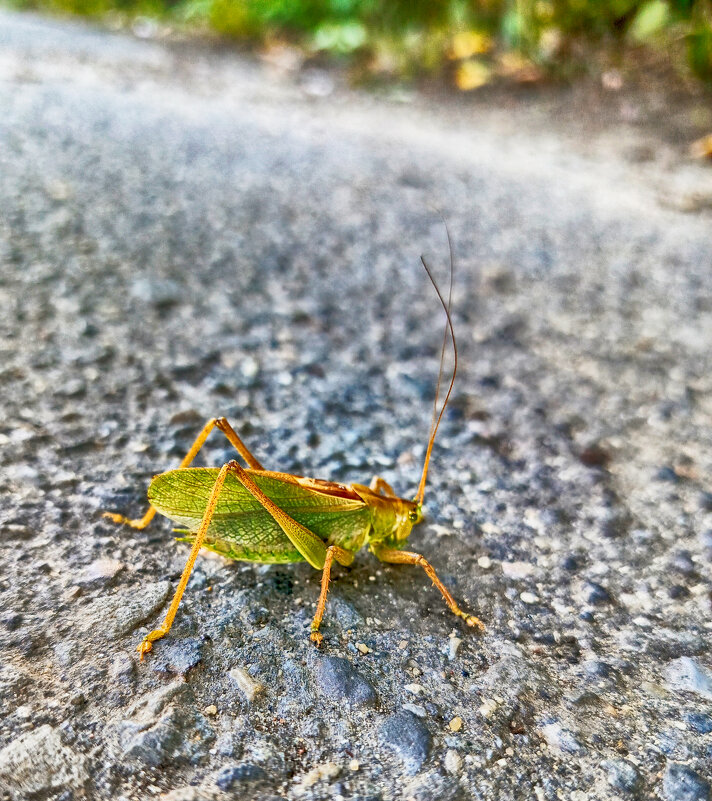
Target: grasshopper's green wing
x,y
242,529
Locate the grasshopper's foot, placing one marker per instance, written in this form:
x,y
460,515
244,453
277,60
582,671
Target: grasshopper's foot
x,y
146,646
120,519
473,622
317,638
114,517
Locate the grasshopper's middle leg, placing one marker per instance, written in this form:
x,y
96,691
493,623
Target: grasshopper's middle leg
x,y
343,557
311,547
397,557
216,422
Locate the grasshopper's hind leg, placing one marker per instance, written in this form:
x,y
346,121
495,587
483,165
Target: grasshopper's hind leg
x,y
165,627
217,422
396,557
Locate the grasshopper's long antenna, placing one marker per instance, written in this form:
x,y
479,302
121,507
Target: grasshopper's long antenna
x,y
435,424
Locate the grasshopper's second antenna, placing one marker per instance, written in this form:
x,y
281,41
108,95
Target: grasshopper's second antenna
x,y
437,417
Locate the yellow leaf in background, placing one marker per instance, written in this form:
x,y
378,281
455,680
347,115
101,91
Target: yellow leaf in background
x,y
515,66
512,62
550,42
472,75
470,43
702,148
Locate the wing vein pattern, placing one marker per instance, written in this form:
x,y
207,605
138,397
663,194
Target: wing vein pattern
x,y
242,529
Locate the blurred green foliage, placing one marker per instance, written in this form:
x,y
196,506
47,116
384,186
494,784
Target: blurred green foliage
x,y
410,36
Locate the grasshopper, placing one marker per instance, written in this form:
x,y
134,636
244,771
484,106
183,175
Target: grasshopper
x,y
257,515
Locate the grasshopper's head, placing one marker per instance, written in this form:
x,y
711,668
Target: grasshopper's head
x,y
398,521
409,515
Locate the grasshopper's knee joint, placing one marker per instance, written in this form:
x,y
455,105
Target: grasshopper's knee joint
x,y
317,638
114,517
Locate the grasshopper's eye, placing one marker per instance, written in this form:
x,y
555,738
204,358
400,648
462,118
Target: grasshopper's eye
x,y
413,516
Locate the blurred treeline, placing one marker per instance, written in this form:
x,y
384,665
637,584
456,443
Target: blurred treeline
x,y
472,40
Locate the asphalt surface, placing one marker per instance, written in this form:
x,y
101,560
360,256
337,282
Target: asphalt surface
x,y
186,233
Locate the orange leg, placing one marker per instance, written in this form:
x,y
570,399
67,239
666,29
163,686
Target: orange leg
x,y
396,557
381,486
343,557
217,422
165,627
313,549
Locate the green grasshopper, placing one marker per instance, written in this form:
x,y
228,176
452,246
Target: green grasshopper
x,y
260,515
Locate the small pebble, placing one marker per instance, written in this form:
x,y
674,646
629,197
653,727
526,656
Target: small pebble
x,y
688,675
681,783
488,707
560,738
354,765
339,679
455,724
249,687
517,570
100,571
490,528
408,736
667,474
595,594
453,762
453,645
211,710
37,762
363,648
699,722
243,773
484,562
529,598
178,656
622,775
324,772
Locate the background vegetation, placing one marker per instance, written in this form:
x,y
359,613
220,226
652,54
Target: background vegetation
x,y
472,41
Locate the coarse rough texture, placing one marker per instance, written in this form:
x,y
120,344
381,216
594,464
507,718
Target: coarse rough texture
x,y
37,761
185,234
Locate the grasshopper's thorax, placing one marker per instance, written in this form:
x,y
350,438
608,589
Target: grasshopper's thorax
x,y
392,518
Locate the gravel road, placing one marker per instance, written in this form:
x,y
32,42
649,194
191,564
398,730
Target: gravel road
x,y
187,232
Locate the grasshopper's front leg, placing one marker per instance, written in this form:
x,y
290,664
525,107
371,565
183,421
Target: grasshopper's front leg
x,y
216,422
396,557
